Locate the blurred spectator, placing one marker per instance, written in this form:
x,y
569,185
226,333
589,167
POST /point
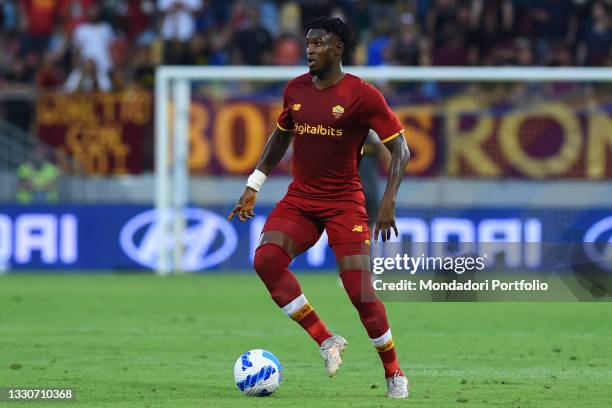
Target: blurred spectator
x,y
75,12
48,75
141,68
442,21
448,23
8,16
37,179
135,19
290,18
406,47
381,19
288,51
252,43
37,20
46,42
489,34
524,54
199,50
93,40
361,20
178,27
86,77
422,10
377,49
268,16
596,45
18,110
178,18
560,56
553,24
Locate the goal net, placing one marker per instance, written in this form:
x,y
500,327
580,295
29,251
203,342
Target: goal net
x,y
483,141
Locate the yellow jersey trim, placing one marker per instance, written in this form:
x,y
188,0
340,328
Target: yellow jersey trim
x,y
393,136
283,129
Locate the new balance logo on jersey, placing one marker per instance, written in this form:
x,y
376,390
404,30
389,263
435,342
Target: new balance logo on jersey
x,y
296,106
358,228
302,128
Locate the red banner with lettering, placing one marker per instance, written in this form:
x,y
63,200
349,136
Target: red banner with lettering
x,y
461,136
539,140
105,132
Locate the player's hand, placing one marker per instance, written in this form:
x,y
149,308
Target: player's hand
x,y
385,221
244,208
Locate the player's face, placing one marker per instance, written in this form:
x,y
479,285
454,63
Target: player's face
x,y
322,51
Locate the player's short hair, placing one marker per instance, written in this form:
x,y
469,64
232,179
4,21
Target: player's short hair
x,y
336,26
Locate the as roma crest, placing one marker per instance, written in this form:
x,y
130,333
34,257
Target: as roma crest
x,y
337,111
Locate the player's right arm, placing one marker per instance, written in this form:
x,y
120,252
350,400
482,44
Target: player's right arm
x,y
273,152
275,149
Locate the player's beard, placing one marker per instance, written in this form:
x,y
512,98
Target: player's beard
x,y
314,71
318,72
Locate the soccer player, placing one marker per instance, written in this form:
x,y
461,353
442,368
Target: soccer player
x,y
328,113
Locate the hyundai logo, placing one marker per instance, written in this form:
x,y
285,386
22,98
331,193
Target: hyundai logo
x,y
207,239
598,243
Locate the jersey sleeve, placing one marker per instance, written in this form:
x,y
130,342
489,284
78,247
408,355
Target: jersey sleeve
x,y
378,115
285,121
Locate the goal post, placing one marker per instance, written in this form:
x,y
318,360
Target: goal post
x,y
173,89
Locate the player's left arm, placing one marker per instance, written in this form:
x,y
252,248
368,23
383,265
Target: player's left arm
x,y
379,117
385,219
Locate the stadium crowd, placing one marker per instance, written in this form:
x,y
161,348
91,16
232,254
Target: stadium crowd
x,y
109,44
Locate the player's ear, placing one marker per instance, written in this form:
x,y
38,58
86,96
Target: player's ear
x,y
339,48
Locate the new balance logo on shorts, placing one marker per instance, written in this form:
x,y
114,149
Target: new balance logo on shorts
x,y
357,228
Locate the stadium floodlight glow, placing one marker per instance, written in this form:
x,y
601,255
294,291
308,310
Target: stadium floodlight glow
x,y
171,181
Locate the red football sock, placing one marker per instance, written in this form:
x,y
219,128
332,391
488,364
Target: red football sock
x,y
315,327
272,265
386,350
374,319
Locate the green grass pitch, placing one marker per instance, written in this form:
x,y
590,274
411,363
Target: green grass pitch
x,y
146,341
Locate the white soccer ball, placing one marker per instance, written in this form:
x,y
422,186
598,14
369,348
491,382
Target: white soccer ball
x,y
257,373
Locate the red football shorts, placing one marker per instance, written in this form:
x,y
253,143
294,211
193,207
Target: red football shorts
x,y
303,220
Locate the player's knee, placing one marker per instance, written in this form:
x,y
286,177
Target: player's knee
x,y
270,258
264,259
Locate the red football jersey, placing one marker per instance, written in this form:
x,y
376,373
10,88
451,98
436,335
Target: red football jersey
x,y
330,126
